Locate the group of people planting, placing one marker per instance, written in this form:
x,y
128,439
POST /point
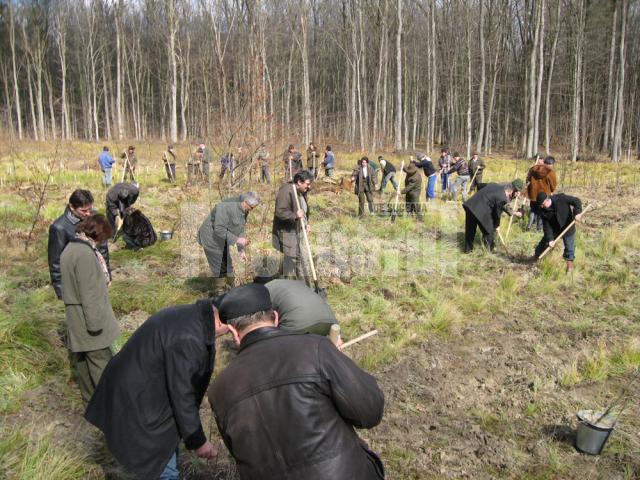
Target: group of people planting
x,y
288,404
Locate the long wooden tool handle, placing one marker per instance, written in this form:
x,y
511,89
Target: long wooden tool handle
x,y
474,177
506,235
358,339
395,208
562,234
303,226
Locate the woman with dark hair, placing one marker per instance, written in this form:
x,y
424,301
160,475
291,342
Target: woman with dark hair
x,y
91,323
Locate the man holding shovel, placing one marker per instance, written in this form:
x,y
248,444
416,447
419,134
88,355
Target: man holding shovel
x,y
223,228
120,197
558,213
483,210
287,221
130,163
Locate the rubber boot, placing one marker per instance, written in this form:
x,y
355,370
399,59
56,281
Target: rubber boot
x,y
569,266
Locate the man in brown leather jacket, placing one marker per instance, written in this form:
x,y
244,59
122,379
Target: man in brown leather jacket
x,y
287,405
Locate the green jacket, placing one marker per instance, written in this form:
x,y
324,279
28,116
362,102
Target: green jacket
x,y
91,323
224,225
299,307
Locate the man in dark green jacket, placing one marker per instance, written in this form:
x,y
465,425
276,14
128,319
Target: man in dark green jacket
x,y
412,187
222,229
483,210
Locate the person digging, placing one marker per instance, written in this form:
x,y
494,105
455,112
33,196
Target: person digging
x,y
558,212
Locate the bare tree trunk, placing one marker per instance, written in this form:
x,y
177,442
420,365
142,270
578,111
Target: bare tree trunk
x,y
552,61
306,94
577,79
483,81
612,56
619,120
119,116
172,20
398,132
376,96
16,90
433,77
469,90
531,76
536,124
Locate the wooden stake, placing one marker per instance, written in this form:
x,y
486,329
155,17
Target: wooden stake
x,y
334,334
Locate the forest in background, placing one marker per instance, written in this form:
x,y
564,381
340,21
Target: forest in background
x,y
521,75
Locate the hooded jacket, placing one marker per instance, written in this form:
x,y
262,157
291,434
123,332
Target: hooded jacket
x,y
287,405
541,178
412,183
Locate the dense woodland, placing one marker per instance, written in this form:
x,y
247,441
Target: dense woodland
x,y
524,75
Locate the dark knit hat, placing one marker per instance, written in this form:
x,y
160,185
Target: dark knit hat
x,y
549,161
541,197
517,185
241,301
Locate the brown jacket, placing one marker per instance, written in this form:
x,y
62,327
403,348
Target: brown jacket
x,y
542,178
285,225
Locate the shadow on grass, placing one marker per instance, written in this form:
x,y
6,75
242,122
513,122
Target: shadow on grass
x,y
560,433
198,285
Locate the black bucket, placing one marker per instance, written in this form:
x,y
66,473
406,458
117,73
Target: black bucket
x,y
593,431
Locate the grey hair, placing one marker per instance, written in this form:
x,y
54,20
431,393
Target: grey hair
x,y
252,198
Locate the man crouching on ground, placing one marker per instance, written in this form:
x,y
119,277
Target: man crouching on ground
x,y
287,405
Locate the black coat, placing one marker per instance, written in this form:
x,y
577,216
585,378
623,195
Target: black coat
x,y
559,215
487,205
61,232
427,167
150,393
287,405
388,168
137,230
120,197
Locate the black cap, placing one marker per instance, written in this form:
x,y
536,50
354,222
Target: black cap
x,y
541,197
549,161
241,301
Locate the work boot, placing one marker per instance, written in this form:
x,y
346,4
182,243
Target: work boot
x,y
231,282
218,286
569,266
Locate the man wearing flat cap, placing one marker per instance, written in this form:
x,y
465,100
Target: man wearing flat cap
x,y
149,395
223,229
557,212
483,210
287,404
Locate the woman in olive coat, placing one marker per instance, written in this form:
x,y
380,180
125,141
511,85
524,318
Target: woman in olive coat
x,y
91,324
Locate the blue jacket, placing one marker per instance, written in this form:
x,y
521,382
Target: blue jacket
x,y
329,160
106,160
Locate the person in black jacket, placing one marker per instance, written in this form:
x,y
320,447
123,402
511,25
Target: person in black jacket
x,y
388,174
429,170
149,395
63,230
484,209
137,231
460,166
120,197
557,212
364,184
287,405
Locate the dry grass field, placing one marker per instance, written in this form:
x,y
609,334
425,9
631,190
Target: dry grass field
x,y
484,359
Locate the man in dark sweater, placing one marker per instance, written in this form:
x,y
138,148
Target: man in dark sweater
x,y
120,197
483,210
557,212
388,174
429,170
460,166
63,230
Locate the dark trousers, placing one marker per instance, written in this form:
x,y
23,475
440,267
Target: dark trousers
x,y
87,368
111,218
265,176
569,246
361,198
170,168
470,225
219,261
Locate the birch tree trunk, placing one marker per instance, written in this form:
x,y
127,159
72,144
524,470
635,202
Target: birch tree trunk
x,y
536,124
172,20
577,79
552,61
16,89
119,115
398,129
619,120
612,56
482,82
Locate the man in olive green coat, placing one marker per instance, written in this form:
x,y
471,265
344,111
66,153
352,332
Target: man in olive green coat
x,y
91,324
222,229
412,187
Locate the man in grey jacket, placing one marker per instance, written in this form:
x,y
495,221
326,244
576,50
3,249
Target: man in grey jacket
x,y
222,229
